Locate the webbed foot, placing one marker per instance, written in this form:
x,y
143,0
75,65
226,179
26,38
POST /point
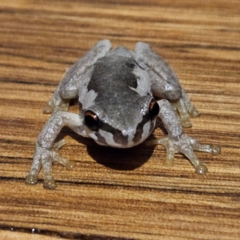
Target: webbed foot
x,y
186,145
49,183
185,109
53,106
31,179
185,112
43,158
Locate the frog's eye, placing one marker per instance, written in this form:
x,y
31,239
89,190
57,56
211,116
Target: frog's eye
x,y
153,109
91,120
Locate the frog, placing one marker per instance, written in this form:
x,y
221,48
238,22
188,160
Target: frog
x,y
121,95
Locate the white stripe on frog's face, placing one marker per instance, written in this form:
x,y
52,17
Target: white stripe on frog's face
x,y
146,130
108,139
105,138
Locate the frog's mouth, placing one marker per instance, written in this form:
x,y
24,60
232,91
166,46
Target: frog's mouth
x,y
115,138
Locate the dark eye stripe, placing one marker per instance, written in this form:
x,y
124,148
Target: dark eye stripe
x,y
118,137
139,131
100,138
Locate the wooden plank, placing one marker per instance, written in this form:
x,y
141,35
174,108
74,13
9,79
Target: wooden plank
x,y
114,194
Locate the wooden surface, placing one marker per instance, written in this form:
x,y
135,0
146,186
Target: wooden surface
x,y
115,194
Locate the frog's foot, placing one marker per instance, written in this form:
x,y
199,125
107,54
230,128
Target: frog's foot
x,y
186,145
185,109
193,111
44,158
185,112
54,105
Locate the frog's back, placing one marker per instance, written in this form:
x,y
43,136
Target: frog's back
x,y
113,77
114,83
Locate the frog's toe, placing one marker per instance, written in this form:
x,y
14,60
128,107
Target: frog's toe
x,y
151,142
31,179
169,161
70,165
51,106
201,169
49,183
215,149
194,112
63,106
58,158
48,109
57,145
186,122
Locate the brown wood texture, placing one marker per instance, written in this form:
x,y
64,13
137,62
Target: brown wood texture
x,y
113,194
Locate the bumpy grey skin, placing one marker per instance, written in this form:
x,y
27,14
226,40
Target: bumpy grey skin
x,y
118,86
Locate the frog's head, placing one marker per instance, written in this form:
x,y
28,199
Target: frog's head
x,y
121,123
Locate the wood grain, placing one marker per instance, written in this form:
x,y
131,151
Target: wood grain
x,y
128,194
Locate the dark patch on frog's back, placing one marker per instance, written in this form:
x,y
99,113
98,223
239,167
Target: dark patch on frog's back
x,y
112,75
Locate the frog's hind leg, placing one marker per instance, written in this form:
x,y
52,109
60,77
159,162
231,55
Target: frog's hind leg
x,y
165,84
190,108
185,109
69,86
56,103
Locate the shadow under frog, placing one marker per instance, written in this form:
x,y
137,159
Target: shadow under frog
x,y
114,158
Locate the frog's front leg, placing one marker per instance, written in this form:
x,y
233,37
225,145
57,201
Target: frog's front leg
x,y
47,152
165,84
178,142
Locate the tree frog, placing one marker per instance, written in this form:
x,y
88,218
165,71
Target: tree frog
x,y
121,93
